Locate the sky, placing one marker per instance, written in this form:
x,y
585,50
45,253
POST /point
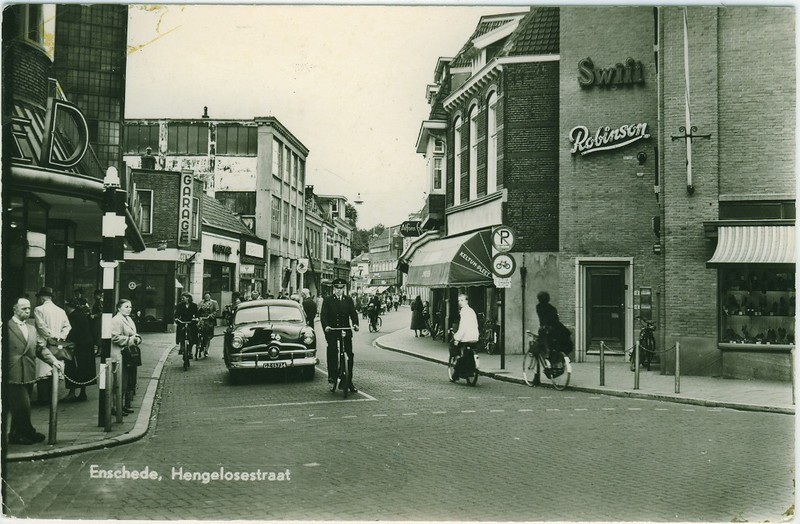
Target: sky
x,y
348,81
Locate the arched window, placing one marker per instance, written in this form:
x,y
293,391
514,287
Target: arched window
x,y
491,143
457,161
473,152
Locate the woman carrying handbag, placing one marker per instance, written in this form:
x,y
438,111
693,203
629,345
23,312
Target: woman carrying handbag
x,y
125,350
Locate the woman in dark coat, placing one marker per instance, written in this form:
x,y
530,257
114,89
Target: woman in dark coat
x,y
80,370
417,321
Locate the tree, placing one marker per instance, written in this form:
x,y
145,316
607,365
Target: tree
x,y
361,238
351,213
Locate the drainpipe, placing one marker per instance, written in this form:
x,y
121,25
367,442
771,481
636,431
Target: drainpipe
x,y
523,273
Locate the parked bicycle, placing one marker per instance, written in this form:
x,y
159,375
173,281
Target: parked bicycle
x,y
463,363
488,340
540,359
187,333
344,378
205,332
647,345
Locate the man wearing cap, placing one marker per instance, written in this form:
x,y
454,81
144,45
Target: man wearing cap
x,y
53,327
24,346
338,311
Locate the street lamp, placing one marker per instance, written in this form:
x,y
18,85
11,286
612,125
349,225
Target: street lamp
x,y
358,200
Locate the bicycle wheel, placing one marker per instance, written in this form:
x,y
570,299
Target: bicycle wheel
x,y
472,380
434,332
451,368
344,383
648,346
559,373
530,369
378,324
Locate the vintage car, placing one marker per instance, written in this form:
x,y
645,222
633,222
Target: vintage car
x,y
270,334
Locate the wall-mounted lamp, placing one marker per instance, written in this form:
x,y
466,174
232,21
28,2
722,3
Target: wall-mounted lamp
x,y
641,156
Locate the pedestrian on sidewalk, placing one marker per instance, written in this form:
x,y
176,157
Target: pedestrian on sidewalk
x,y
24,346
309,307
123,338
417,322
53,327
79,371
97,321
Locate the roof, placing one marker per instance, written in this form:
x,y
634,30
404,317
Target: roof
x,y
215,214
485,25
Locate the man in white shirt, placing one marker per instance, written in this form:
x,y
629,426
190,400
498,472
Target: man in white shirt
x,y
53,327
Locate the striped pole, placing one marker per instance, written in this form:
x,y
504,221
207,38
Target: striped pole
x,y
112,251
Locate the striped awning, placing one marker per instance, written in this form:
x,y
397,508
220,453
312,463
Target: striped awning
x,y
755,245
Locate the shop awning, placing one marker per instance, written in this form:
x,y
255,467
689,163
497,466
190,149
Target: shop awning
x,y
462,260
381,289
755,245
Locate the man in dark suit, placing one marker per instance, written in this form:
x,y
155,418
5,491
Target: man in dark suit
x,y
309,307
23,346
339,311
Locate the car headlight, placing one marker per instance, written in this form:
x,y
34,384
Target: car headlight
x,y
307,334
238,341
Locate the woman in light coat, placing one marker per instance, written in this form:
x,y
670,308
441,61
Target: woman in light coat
x,y
123,335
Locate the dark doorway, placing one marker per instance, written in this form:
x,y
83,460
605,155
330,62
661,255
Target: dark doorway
x,y
605,303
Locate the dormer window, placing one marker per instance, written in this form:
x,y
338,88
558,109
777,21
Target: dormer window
x,y
335,207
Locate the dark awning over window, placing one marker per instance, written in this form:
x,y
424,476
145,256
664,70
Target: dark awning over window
x,y
755,245
463,260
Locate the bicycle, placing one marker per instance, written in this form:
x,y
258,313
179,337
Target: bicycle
x,y
647,345
556,365
435,329
488,340
186,336
344,379
375,326
203,343
457,353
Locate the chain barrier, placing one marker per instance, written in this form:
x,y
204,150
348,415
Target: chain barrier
x,y
77,383
634,355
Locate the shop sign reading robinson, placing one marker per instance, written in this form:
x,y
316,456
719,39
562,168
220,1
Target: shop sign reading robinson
x,y
605,138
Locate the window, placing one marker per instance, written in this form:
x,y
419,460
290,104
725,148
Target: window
x,y
276,158
286,222
146,201
196,218
756,209
292,222
287,156
473,152
437,173
275,228
457,161
335,207
237,140
438,145
301,182
491,145
188,139
138,137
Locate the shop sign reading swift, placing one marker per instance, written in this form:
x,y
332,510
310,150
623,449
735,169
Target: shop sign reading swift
x,y
185,209
605,138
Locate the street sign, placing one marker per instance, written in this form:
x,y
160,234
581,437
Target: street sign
x,y
503,238
302,265
503,265
502,283
411,228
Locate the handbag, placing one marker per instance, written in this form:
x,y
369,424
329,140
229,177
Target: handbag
x,y
131,356
62,350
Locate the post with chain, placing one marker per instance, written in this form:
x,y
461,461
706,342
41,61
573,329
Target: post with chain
x,y
636,364
602,363
677,367
113,231
53,429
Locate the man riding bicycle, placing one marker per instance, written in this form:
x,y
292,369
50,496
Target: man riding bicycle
x,y
374,310
186,311
339,311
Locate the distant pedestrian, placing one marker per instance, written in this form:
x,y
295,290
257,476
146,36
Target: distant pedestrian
x,y
23,346
97,320
396,301
309,307
417,322
80,371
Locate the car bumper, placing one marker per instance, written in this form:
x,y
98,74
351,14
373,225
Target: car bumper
x,y
236,362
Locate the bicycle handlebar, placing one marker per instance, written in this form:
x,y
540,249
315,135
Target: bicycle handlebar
x,y
179,321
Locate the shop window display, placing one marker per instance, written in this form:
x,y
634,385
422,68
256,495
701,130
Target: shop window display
x,y
757,305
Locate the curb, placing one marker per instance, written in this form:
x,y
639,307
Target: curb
x,y
140,428
611,392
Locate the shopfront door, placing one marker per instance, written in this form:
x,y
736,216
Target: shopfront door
x,y
605,307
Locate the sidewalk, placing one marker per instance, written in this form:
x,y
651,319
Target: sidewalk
x,y
752,395
77,421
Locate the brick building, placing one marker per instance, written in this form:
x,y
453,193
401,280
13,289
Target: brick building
x,y
570,125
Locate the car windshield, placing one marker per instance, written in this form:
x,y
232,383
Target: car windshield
x,y
268,314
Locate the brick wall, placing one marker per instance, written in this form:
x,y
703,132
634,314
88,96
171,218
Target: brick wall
x,y
25,70
166,196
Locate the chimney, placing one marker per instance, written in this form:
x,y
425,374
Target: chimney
x,y
205,111
148,160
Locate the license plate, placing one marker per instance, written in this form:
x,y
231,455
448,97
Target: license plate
x,y
274,365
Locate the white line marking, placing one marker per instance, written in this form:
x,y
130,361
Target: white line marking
x,y
662,409
312,464
398,399
634,409
581,409
438,412
350,416
473,398
397,391
423,398
688,409
523,398
256,422
309,403
497,411
525,410
408,414
609,409
448,398
545,397
318,418
467,411
380,415
553,409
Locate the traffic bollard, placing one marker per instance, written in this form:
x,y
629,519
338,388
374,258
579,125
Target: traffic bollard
x,y
118,390
636,363
53,429
602,363
677,367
